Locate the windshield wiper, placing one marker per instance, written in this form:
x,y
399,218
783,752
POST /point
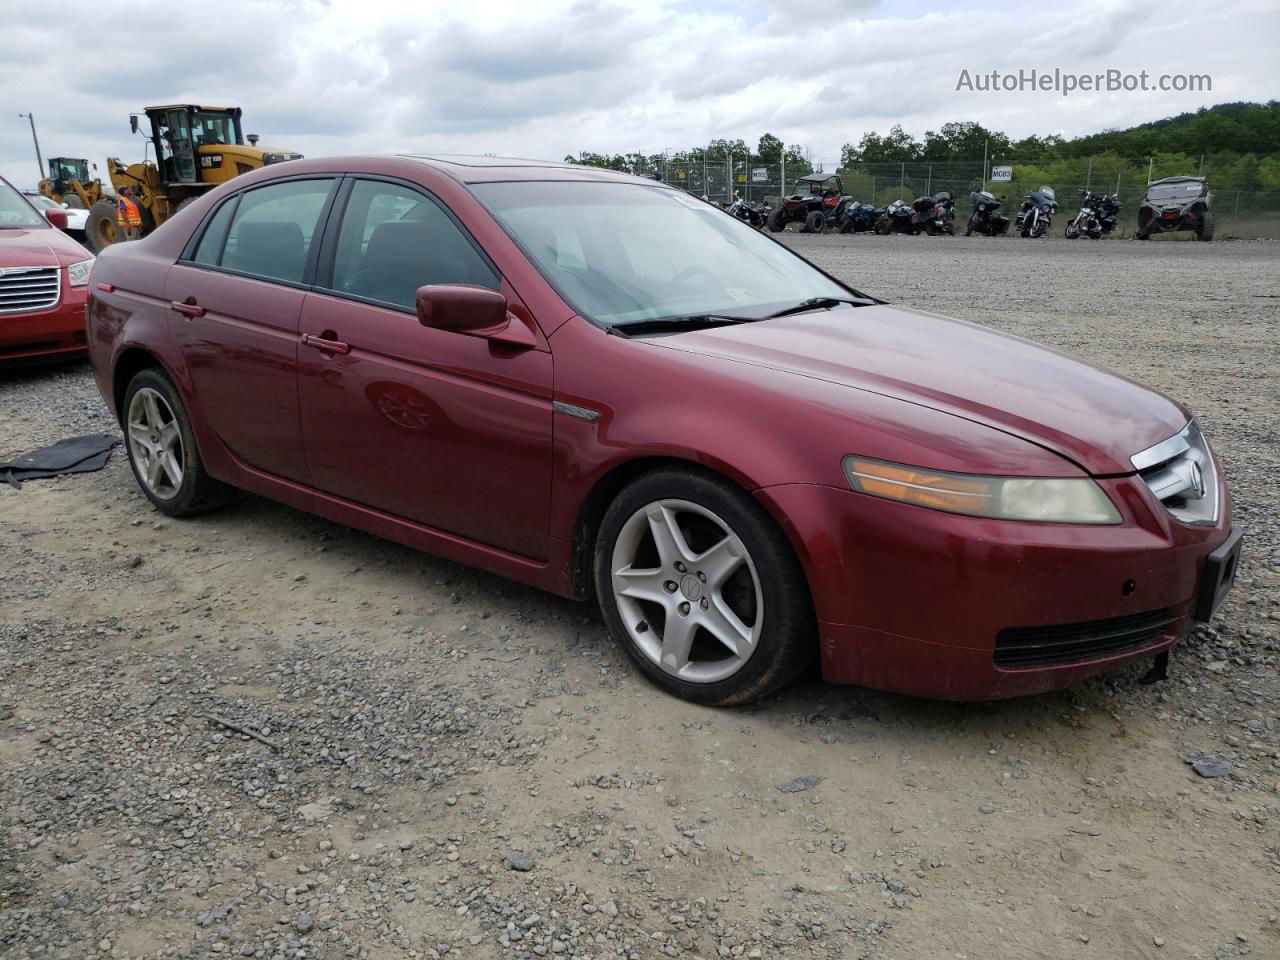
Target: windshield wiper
x,y
697,321
817,303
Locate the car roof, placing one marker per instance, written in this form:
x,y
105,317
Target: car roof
x,y
469,168
816,177
1177,180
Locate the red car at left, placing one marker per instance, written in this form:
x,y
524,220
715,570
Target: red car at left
x,y
44,280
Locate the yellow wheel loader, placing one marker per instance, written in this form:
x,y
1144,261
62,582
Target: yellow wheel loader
x,y
195,148
68,182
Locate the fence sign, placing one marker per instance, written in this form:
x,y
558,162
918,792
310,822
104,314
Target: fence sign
x,y
1001,174
759,174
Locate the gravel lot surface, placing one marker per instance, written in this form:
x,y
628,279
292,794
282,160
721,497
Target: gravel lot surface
x,y
447,764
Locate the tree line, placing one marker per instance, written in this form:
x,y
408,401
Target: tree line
x,y
1236,144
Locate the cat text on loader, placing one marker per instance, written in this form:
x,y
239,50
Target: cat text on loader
x,y
196,148
68,182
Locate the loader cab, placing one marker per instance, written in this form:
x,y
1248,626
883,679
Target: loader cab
x,y
179,131
62,170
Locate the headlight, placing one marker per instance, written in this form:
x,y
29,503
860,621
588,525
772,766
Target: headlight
x,y
1049,500
78,273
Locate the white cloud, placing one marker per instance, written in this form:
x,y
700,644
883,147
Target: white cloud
x,y
549,78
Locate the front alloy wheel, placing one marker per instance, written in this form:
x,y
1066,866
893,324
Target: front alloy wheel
x,y
695,611
701,588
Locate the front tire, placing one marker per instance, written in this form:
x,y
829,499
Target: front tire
x,y
162,448
815,222
777,223
1207,226
701,588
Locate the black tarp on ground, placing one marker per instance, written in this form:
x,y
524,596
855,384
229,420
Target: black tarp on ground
x,y
72,455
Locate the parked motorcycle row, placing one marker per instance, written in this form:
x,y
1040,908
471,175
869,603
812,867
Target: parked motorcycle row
x,y
819,203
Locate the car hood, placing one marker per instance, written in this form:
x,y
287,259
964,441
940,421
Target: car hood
x,y
1091,416
39,247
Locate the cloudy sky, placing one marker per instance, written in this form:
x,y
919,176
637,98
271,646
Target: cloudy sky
x,y
543,78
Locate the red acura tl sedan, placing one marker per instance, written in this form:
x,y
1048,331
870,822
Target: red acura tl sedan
x,y
44,276
597,384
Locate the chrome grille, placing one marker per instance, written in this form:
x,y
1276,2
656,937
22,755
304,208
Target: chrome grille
x,y
1180,472
28,289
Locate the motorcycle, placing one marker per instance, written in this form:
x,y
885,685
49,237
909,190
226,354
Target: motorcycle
x,y
1097,216
859,217
935,214
986,218
756,214
897,217
1036,216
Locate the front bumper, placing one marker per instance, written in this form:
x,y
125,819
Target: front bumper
x,y
48,335
913,600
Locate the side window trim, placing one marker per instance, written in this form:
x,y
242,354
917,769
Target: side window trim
x,y
189,251
337,180
323,282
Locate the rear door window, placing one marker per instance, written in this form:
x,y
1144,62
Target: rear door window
x,y
209,250
273,228
395,239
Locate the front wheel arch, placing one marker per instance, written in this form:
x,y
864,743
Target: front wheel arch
x,y
796,634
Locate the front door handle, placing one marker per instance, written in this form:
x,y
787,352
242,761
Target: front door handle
x,y
189,308
326,345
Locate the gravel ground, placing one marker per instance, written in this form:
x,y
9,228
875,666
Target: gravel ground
x,y
445,763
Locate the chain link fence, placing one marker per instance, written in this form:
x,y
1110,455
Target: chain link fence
x,y
1243,207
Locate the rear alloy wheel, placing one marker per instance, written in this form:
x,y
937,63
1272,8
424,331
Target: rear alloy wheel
x,y
815,222
162,449
701,588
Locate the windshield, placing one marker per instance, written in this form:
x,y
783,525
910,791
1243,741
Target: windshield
x,y
621,252
15,212
64,169
41,202
1171,191
213,128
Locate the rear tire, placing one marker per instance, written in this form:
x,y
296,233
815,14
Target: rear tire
x,y
761,605
815,222
777,223
162,448
100,227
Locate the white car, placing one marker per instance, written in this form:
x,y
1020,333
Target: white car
x,y
76,216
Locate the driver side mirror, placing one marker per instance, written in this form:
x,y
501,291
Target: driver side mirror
x,y
56,217
133,123
471,310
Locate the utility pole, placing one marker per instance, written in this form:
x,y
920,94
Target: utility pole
x,y
1088,177
36,140
1151,165
985,144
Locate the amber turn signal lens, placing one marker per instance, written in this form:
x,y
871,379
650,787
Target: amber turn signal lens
x,y
1045,499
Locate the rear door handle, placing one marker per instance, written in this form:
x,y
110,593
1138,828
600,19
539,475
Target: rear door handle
x,y
187,309
326,346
